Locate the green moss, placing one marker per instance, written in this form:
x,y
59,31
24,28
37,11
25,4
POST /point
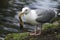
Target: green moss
x,y
58,36
50,26
25,36
17,36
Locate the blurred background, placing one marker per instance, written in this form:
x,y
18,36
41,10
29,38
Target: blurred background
x,y
9,9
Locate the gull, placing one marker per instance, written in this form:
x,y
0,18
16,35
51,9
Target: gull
x,y
37,17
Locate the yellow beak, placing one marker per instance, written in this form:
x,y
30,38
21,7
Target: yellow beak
x,y
21,13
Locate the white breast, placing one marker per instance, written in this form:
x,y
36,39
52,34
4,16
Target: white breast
x,y
30,17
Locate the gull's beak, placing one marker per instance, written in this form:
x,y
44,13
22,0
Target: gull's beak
x,y
21,13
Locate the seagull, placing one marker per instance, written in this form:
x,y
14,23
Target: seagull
x,y
37,17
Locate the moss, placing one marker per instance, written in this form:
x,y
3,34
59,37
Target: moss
x,y
17,36
54,35
50,26
58,36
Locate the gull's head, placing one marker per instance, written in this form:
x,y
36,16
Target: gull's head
x,y
25,10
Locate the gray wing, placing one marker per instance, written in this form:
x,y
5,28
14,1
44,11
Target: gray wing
x,y
45,15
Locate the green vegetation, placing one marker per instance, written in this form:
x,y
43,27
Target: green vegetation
x,y
50,31
58,36
50,26
17,36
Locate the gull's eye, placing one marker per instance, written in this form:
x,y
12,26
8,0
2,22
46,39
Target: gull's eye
x,y
26,10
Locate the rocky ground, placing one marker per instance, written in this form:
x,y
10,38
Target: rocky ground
x,y
50,31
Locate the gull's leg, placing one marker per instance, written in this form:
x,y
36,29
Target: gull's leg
x,y
35,30
38,29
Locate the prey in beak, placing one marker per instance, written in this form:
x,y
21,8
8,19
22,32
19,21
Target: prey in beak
x,y
21,13
20,18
